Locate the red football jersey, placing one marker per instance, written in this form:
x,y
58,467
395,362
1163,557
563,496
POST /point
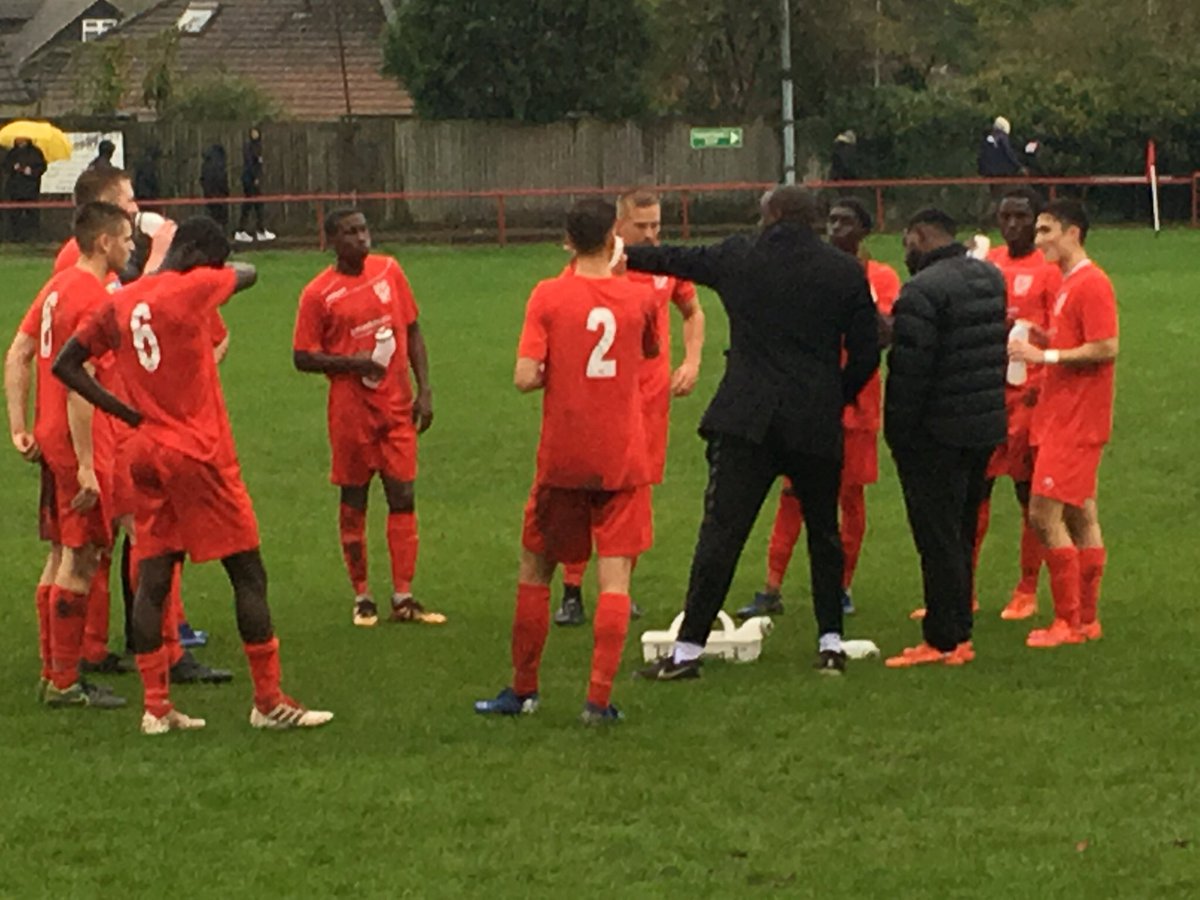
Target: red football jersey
x,y
593,336
1076,402
1032,284
67,300
160,332
341,314
864,414
656,372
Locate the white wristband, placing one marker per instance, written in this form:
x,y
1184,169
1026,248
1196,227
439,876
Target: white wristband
x,y
1051,357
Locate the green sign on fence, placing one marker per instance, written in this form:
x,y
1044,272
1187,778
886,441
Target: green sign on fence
x,y
707,138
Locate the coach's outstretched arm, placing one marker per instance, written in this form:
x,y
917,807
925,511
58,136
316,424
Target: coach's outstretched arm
x,y
702,265
70,369
247,276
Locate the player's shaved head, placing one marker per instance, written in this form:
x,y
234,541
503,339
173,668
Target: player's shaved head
x,y
589,223
93,220
1017,216
333,221
790,203
99,184
1069,213
638,198
934,219
1027,195
199,241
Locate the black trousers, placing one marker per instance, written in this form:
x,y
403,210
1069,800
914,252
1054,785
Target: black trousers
x,y
251,207
943,488
740,475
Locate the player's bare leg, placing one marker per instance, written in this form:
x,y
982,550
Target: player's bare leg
x,y
1049,517
1084,524
403,544
68,618
44,588
610,626
273,709
531,626
352,525
154,578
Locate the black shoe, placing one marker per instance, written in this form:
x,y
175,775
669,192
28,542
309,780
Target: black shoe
x,y
190,670
831,662
635,611
763,604
571,612
666,669
110,665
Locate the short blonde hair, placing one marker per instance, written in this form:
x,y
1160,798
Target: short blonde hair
x,y
638,198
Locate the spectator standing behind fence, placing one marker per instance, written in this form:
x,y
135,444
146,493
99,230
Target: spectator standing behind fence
x,y
252,174
844,164
104,154
214,184
997,159
146,184
24,166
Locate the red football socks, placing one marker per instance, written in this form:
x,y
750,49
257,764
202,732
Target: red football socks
x,y
1063,563
68,614
156,681
573,574
403,543
265,671
95,630
609,628
789,520
1031,559
854,528
352,525
43,613
1091,570
531,625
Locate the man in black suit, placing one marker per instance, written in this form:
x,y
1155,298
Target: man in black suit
x,y
793,304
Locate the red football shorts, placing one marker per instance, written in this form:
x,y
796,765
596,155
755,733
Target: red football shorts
x,y
860,460
124,496
59,524
1066,473
656,412
188,506
561,524
1014,457
360,450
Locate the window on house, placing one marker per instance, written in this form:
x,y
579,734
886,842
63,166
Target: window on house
x,y
197,17
93,28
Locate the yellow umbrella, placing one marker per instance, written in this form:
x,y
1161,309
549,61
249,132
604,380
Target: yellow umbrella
x,y
53,142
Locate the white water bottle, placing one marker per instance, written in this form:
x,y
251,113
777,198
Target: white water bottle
x,y
1017,373
385,349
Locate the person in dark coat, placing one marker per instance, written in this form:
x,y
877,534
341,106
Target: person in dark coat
x,y
252,175
844,162
944,414
146,184
214,183
24,166
104,155
793,303
997,159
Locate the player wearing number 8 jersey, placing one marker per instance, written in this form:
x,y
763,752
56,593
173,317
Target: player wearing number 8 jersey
x,y
585,337
190,496
357,325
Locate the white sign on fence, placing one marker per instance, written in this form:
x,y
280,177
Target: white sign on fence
x,y
60,176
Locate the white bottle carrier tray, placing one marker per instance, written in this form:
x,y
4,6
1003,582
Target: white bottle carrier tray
x,y
728,641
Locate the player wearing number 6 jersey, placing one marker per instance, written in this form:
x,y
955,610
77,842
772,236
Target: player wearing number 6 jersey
x,y
357,325
585,338
190,498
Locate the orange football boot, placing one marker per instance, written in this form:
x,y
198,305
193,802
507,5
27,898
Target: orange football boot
x,y
961,655
1021,606
921,655
1059,633
1091,630
917,615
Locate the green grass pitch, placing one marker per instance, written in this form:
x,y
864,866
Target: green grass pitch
x,y
1068,773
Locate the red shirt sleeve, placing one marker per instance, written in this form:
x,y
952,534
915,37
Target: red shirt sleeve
x,y
219,330
405,301
31,325
683,294
534,337
1098,311
98,332
886,284
310,324
651,339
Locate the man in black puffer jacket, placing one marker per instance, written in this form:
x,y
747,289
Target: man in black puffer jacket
x,y
944,414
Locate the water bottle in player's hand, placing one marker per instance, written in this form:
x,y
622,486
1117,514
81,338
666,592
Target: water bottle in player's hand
x,y
1017,373
385,348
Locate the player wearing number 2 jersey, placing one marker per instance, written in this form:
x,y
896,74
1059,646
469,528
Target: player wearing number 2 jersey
x,y
585,338
357,325
76,464
190,497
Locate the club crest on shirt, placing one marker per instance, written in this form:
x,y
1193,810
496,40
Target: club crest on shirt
x,y
661,282
383,291
1022,284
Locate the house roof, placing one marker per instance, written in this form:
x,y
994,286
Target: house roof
x,y
289,48
13,91
49,17
19,10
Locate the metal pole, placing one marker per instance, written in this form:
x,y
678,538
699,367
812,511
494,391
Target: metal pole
x,y
789,119
341,45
